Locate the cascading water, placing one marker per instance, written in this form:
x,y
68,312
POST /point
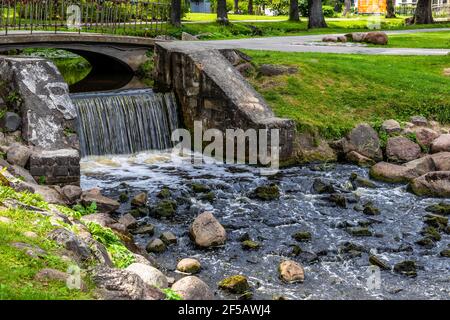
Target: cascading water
x,y
125,122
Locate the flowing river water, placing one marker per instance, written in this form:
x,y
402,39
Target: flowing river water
x,y
331,271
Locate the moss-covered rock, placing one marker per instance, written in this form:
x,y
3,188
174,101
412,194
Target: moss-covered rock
x,y
250,245
200,188
439,208
302,236
407,268
338,199
235,284
426,242
370,209
359,182
445,253
437,221
124,197
374,260
431,233
359,231
156,246
165,208
267,193
164,193
209,196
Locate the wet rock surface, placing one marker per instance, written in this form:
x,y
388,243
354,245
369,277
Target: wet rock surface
x,y
335,261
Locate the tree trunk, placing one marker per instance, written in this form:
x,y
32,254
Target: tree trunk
x,y
423,13
390,9
347,7
236,6
250,6
222,15
175,13
293,11
316,19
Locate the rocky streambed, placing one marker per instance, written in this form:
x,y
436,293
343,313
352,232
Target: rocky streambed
x,y
329,218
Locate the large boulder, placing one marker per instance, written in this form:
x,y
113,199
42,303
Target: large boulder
x,y
71,242
290,271
425,136
104,204
435,184
376,37
441,161
442,143
359,159
364,140
149,274
10,122
192,288
401,149
206,231
390,172
18,154
121,284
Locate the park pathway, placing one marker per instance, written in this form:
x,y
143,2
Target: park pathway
x,y
311,43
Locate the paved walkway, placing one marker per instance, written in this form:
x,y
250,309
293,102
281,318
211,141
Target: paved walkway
x,y
311,43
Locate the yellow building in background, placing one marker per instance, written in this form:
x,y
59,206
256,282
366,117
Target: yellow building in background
x,y
371,6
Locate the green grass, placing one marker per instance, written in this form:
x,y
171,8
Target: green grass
x,y
197,17
432,40
17,269
332,93
236,30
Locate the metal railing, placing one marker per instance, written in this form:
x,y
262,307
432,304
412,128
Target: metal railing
x,y
438,10
125,17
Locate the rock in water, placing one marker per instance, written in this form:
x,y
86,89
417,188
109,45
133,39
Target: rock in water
x,y
72,193
206,231
156,246
235,284
407,268
128,221
140,200
435,184
189,265
192,288
168,238
270,192
401,149
290,271
149,275
104,204
121,284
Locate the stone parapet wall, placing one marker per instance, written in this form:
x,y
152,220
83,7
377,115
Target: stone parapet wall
x,y
211,90
57,167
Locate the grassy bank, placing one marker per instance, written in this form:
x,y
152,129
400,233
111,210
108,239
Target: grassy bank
x,y
432,40
332,93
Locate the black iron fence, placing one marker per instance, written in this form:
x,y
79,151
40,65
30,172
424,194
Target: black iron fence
x,y
135,17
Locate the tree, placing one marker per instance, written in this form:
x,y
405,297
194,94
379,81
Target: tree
x,y
222,14
390,9
236,6
347,7
316,19
423,13
250,6
175,13
293,11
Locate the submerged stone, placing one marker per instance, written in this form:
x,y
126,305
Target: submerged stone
x,y
250,245
370,209
164,193
431,232
338,199
302,236
165,208
322,186
374,260
407,268
445,253
200,188
267,193
156,246
436,221
439,208
426,242
359,232
235,284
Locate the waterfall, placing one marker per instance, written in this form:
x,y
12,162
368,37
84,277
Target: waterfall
x,y
125,122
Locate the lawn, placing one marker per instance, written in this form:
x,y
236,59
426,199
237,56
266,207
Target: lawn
x,y
235,30
197,17
331,93
420,40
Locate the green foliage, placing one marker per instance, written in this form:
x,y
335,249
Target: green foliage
x,y
121,256
42,180
27,198
171,295
145,70
328,12
83,211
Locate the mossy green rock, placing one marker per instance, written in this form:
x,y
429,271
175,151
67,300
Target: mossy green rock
x,y
124,197
374,260
370,210
359,182
436,221
209,196
200,188
302,236
165,208
164,193
439,208
431,233
235,284
407,268
250,245
156,246
426,242
359,232
267,193
445,253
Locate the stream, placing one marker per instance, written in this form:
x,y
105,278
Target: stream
x,y
331,272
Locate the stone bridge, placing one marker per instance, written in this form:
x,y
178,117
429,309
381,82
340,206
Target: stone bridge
x,y
107,54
